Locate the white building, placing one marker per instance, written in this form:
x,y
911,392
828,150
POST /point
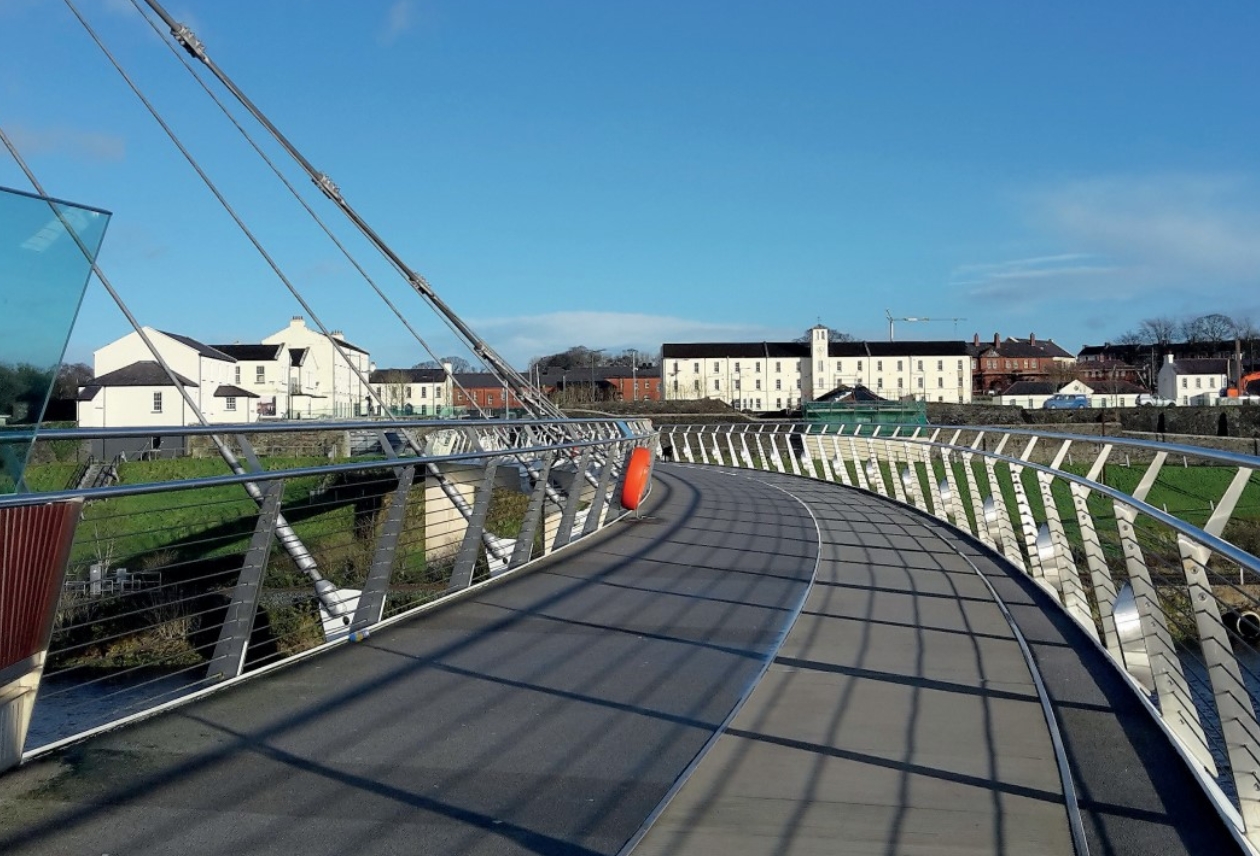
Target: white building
x,y
1193,381
326,382
130,389
414,392
778,375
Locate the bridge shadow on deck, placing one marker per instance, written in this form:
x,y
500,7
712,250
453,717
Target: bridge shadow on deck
x,y
554,712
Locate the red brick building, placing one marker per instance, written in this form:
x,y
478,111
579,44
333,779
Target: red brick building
x,y
998,364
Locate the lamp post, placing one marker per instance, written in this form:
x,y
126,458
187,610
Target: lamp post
x,y
634,375
594,354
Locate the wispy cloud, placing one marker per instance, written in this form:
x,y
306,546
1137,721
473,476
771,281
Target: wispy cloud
x,y
520,338
398,20
91,146
1158,236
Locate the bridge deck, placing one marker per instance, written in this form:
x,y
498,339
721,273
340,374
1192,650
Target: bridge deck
x,y
553,713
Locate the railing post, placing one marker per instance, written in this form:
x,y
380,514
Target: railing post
x,y
1099,572
1176,705
687,453
533,513
470,547
1006,531
822,458
775,457
977,502
730,445
371,606
934,486
565,531
704,455
228,659
839,465
894,459
595,513
743,447
1233,704
761,452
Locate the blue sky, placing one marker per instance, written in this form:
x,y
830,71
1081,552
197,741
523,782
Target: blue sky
x,y
621,174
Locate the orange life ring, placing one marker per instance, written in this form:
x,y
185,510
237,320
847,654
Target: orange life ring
x,y
638,477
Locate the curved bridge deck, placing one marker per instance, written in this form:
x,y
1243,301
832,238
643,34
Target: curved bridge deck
x,y
554,713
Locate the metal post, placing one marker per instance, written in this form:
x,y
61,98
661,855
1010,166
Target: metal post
x,y
371,606
533,513
228,659
565,530
469,548
595,513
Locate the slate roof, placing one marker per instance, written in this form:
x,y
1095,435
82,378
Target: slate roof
x,y
752,350
1118,387
1031,387
407,376
297,356
906,348
1023,348
204,350
229,391
1201,366
857,392
143,373
347,345
88,393
254,353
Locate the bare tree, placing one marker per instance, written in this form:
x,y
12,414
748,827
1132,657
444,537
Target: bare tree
x,y
1214,327
458,364
1131,337
1159,331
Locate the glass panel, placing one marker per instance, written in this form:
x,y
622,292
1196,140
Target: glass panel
x,y
46,252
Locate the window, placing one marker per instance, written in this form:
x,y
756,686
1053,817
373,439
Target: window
x,y
898,365
737,383
737,367
695,368
717,366
237,374
157,402
879,383
424,392
973,365
920,365
940,383
900,382
778,402
758,383
798,383
717,384
778,366
839,366
408,395
1198,383
778,384
940,365
675,386
821,367
859,365
260,374
879,365
696,385
920,383
757,368
1185,382
229,403
378,392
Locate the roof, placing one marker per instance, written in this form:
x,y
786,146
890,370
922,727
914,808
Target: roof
x,y
477,380
857,392
229,391
1032,387
907,348
297,356
255,353
143,373
88,392
1117,387
408,376
706,350
343,343
1201,366
204,350
1012,347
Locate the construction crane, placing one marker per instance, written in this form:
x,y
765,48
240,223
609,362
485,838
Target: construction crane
x,y
891,319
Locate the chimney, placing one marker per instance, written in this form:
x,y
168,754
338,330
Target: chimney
x,y
446,367
297,321
338,335
975,341
997,340
1032,339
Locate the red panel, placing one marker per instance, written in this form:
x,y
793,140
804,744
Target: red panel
x,y
34,547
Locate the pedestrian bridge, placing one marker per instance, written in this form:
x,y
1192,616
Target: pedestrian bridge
x,y
893,656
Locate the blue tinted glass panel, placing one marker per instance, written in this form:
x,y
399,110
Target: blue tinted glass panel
x,y
46,251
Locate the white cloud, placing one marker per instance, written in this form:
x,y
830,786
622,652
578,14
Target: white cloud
x,y
399,19
521,338
1161,237
91,146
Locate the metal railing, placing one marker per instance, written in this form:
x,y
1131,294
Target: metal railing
x,y
1150,547
179,581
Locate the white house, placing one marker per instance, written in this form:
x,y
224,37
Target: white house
x,y
1033,394
129,387
413,392
1193,381
778,375
327,380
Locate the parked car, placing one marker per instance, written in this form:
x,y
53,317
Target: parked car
x,y
1064,401
1148,400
